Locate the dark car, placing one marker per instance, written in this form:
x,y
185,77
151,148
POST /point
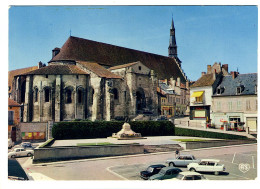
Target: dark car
x,y
15,171
151,170
166,173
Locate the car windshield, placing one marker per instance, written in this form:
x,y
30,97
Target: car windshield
x,y
179,176
149,169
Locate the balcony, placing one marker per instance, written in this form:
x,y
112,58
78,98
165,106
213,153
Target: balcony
x,y
198,102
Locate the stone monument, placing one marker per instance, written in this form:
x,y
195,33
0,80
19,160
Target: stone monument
x,y
126,132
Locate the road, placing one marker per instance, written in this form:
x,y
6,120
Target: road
x,y
128,167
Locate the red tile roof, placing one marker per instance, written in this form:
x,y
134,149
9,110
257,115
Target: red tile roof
x,y
79,49
99,70
58,70
13,73
11,102
205,80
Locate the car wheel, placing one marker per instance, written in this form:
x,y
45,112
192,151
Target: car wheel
x,y
216,173
13,156
29,154
192,169
171,164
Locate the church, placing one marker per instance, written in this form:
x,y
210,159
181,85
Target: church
x,y
92,80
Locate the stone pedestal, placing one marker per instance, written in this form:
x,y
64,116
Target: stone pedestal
x,y
126,133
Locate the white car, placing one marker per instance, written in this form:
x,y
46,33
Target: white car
x,y
10,143
20,152
207,165
188,175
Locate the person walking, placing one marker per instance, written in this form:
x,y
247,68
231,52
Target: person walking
x,y
177,153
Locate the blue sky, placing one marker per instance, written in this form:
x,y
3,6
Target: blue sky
x,y
204,34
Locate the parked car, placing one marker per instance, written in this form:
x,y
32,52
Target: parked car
x,y
207,165
160,118
10,143
182,160
151,170
25,145
20,152
166,173
15,171
188,175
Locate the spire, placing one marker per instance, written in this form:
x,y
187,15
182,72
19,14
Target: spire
x,y
172,49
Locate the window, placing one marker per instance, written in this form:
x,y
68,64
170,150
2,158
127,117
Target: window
x,y
46,76
115,93
248,105
10,117
199,99
68,96
238,105
47,94
239,90
80,96
229,106
140,68
218,105
36,95
218,90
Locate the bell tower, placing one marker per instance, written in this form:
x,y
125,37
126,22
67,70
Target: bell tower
x,y
172,49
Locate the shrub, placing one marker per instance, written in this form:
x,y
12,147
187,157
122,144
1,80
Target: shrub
x,y
103,129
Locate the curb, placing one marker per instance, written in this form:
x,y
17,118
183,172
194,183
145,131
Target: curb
x,y
136,155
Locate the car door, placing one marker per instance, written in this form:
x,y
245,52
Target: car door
x,y
188,160
201,166
168,174
23,152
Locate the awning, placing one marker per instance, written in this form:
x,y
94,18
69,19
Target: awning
x,y
197,94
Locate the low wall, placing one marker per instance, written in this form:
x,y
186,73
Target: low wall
x,y
50,154
214,143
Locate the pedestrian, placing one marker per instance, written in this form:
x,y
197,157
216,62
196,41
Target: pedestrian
x,y
177,153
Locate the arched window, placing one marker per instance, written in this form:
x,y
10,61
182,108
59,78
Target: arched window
x,y
115,93
47,94
36,94
80,96
68,96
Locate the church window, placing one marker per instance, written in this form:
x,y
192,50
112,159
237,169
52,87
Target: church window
x,y
80,96
47,95
68,96
36,94
115,93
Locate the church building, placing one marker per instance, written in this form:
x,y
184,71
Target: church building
x,y
92,80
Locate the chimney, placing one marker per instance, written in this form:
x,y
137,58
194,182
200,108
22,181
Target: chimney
x,y
225,66
172,83
55,51
234,74
39,64
203,73
188,84
214,74
208,69
178,81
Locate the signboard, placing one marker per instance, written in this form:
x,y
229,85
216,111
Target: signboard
x,y
200,113
33,135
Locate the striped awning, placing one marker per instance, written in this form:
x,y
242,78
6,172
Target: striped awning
x,y
197,94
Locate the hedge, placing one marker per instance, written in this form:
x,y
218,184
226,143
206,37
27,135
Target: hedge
x,y
103,129
205,134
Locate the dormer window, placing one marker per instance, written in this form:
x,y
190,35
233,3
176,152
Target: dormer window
x,y
140,68
220,90
239,90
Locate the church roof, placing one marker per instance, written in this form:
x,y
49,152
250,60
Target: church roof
x,y
57,70
122,66
79,49
99,70
13,73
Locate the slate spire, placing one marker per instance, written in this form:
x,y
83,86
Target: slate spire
x,y
172,49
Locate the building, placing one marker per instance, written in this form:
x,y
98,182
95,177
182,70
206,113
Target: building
x,y
235,102
92,80
14,111
202,90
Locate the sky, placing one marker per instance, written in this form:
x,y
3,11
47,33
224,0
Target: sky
x,y
204,34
